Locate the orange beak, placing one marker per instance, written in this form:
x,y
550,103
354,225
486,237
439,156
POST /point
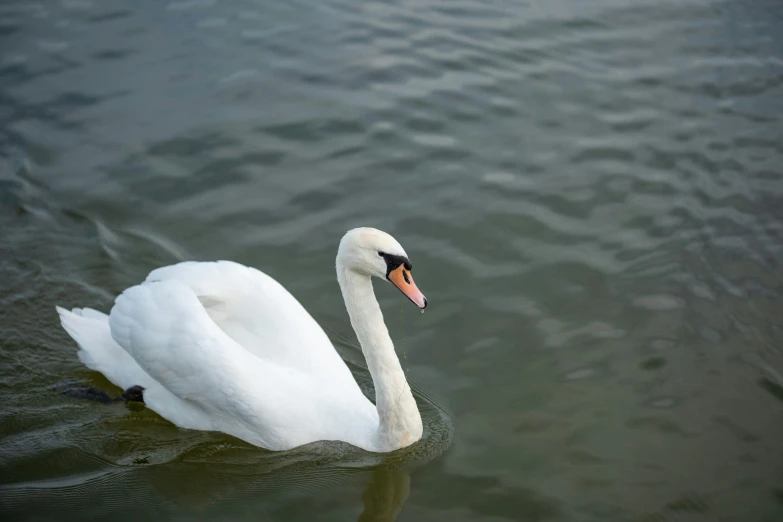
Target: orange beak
x,y
403,280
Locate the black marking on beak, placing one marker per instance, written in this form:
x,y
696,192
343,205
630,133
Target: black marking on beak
x,y
393,261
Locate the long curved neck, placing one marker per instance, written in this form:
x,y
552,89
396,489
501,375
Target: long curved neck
x,y
400,421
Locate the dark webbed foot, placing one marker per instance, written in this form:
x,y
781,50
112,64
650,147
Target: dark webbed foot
x,y
134,394
90,393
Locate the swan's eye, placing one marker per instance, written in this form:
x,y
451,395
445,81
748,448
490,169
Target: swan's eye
x,y
381,253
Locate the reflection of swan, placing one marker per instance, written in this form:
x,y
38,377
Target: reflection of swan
x,y
223,347
280,482
385,495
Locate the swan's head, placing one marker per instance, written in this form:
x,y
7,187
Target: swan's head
x,y
372,252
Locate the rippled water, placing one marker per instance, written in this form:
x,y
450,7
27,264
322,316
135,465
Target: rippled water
x,y
591,192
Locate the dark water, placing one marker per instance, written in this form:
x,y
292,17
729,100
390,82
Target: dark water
x,y
591,193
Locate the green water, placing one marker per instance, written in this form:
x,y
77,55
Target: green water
x,y
591,194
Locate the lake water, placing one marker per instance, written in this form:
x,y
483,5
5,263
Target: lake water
x,y
591,194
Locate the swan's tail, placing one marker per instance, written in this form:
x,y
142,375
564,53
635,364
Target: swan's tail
x,y
98,350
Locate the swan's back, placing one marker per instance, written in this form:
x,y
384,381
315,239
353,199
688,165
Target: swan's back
x,y
259,314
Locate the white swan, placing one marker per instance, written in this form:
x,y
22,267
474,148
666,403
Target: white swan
x,y
223,347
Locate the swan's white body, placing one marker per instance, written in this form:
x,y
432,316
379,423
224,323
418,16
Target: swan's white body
x,y
223,347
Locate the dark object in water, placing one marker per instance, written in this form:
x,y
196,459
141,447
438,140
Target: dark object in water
x,y
132,394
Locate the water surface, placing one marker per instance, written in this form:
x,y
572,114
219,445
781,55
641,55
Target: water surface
x,y
590,192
